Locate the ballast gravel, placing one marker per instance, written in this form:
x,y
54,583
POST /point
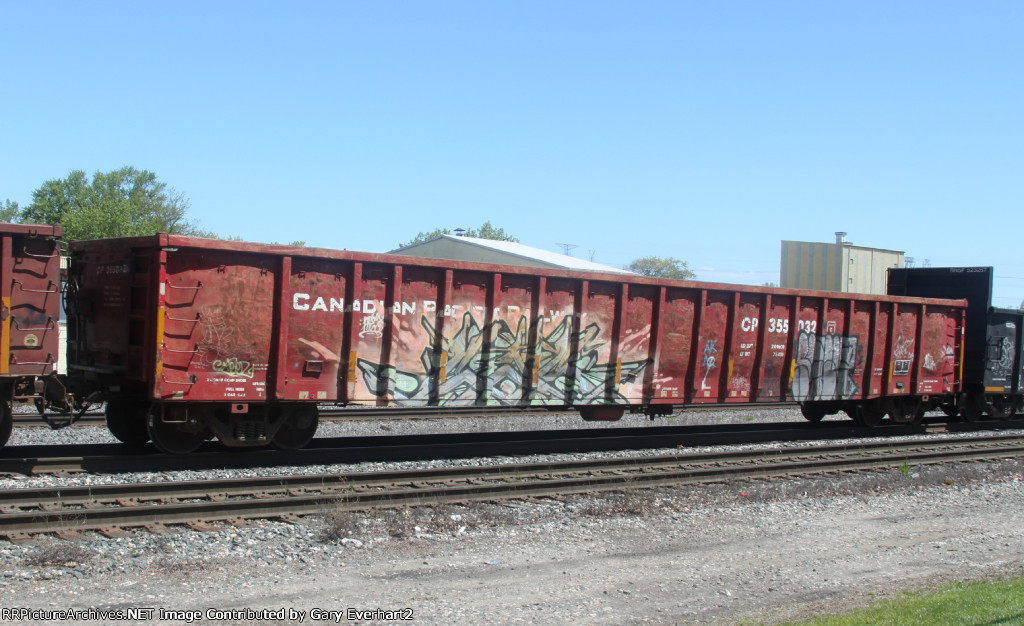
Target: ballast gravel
x,y
761,551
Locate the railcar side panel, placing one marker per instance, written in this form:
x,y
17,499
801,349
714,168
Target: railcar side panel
x,y
30,306
312,309
712,349
902,351
746,319
376,381
510,378
877,350
595,361
939,339
556,344
670,381
858,338
464,346
216,326
773,368
632,347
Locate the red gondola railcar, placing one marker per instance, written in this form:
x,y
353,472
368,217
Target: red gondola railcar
x,y
190,338
29,317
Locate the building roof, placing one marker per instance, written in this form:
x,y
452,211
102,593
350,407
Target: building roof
x,y
513,249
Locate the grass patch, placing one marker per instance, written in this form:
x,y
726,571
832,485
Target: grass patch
x,y
1000,602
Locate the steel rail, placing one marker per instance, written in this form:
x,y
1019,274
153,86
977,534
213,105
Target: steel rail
x,y
82,508
107,458
118,458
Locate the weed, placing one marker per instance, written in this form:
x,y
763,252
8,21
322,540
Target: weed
x,y
65,554
337,525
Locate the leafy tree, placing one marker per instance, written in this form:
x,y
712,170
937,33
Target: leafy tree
x,y
662,267
9,211
124,202
486,231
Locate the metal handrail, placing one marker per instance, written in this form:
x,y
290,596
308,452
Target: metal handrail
x,y
163,346
39,256
22,286
49,326
192,380
14,361
199,285
183,319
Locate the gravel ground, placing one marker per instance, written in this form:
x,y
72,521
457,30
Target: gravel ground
x,y
761,551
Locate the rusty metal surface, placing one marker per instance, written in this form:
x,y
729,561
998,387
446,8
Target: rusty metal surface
x,y
30,307
219,321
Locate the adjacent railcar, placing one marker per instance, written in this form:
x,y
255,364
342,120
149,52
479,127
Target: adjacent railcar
x,y
190,338
994,354
29,317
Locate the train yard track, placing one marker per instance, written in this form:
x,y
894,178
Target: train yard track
x,y
117,458
108,508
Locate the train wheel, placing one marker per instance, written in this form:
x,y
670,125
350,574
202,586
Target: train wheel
x,y
812,412
1000,407
6,422
870,414
127,421
905,411
298,429
951,410
971,409
174,437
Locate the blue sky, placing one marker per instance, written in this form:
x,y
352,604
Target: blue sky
x,y
707,131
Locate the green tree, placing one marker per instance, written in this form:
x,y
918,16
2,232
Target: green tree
x,y
9,211
124,202
486,231
662,267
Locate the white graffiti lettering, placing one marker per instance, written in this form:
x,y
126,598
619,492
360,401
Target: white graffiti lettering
x,y
373,326
234,367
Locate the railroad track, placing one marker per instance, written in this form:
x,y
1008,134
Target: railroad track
x,y
117,458
108,508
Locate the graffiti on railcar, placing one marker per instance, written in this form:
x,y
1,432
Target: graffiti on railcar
x,y
1003,365
474,370
709,361
824,365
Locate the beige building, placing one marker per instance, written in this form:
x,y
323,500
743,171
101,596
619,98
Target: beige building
x,y
839,266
